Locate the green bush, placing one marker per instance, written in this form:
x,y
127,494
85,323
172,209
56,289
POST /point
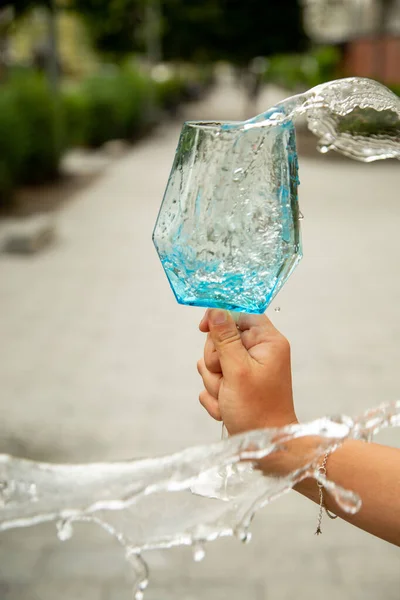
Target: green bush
x,y
117,105
12,146
170,92
31,133
285,70
327,60
36,126
41,117
76,117
293,71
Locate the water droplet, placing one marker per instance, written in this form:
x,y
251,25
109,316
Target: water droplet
x,y
64,530
143,584
198,552
323,149
237,174
139,595
244,535
277,309
32,491
301,216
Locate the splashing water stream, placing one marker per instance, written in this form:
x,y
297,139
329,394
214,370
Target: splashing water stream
x,y
357,117
206,492
188,498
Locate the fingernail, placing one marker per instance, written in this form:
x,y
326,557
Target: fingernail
x,y
218,317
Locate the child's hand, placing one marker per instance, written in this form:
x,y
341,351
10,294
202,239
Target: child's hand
x,y
246,372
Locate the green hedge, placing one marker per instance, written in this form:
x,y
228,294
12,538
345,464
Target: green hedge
x,y
12,145
43,129
36,127
31,134
170,93
109,105
76,117
294,71
117,105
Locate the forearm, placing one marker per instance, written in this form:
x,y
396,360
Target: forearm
x,y
370,470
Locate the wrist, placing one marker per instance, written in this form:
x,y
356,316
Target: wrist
x,y
280,420
291,456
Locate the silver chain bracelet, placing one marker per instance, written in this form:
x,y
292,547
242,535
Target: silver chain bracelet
x,y
322,505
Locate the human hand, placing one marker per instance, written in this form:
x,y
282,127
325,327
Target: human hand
x,y
246,372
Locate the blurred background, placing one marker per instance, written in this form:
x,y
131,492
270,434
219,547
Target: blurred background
x,y
98,362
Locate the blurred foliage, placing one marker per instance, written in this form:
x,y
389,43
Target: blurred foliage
x,y
122,102
395,89
22,6
116,103
200,30
170,92
76,116
42,123
30,133
203,30
231,30
113,24
303,71
31,30
12,146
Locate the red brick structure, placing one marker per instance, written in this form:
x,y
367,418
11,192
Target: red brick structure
x,y
373,57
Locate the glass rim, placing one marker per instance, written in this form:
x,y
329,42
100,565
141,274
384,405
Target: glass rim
x,y
200,124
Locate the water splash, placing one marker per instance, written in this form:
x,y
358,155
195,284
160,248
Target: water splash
x,y
228,230
198,552
357,117
168,501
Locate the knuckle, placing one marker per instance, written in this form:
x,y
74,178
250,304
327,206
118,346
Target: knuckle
x,y
284,344
228,337
199,366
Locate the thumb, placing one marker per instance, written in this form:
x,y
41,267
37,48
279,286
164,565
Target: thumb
x,y
227,341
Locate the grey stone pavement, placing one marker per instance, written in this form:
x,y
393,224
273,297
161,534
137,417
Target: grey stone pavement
x,y
98,362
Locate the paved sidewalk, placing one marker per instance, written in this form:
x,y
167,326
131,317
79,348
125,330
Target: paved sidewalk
x,y
98,362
